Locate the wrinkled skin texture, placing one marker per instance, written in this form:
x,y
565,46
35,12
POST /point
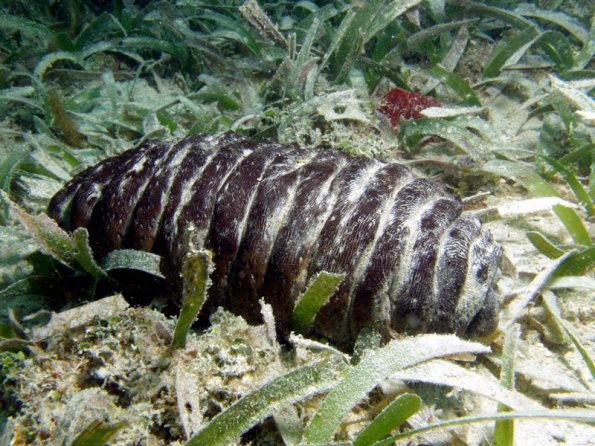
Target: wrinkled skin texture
x,y
275,215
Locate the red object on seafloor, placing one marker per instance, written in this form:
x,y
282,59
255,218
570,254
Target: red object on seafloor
x,y
398,102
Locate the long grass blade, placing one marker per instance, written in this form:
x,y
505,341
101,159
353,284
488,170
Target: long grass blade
x,y
291,387
52,239
453,131
459,85
543,245
580,415
522,175
195,275
338,37
314,298
9,165
549,300
574,225
576,263
179,52
396,355
510,52
258,18
579,191
48,60
537,284
26,27
387,14
558,48
504,430
243,35
428,33
84,255
393,415
98,433
558,18
364,24
512,18
442,372
132,259
97,28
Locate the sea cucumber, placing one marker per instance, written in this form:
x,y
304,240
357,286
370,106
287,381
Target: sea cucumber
x,y
275,215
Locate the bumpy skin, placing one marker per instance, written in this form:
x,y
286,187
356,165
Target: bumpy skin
x,y
275,215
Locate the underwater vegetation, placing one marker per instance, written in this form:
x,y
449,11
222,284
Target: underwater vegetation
x,y
493,99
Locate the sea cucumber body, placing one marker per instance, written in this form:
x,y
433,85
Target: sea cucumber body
x,y
275,215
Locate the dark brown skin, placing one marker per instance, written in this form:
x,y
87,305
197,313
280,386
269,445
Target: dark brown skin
x,y
275,215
